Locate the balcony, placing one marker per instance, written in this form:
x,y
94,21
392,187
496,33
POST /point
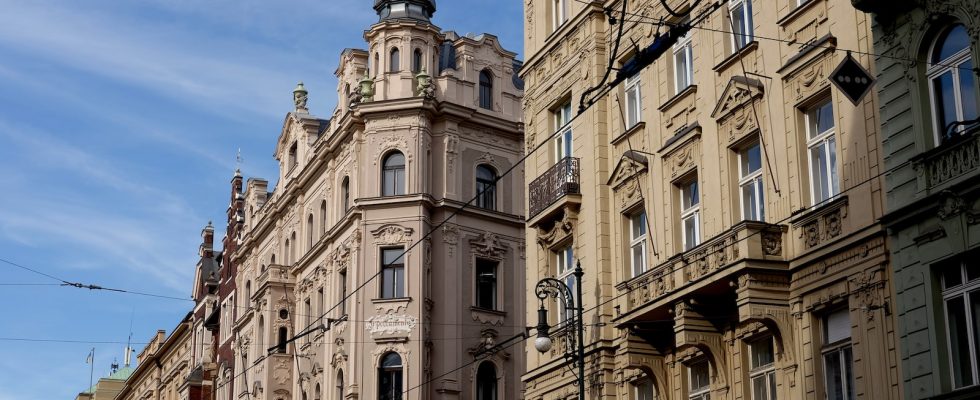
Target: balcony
x,y
958,157
559,180
713,261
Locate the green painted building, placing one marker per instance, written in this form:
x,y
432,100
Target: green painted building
x,y
927,53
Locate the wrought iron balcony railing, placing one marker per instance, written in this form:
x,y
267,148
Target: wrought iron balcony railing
x,y
559,180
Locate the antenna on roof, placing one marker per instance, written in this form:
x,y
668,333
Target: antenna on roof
x,y
129,350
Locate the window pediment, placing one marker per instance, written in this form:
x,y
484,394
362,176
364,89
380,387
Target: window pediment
x,y
740,90
630,164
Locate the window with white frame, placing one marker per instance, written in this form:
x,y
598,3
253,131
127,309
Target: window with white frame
x,y
951,80
634,107
699,383
559,10
683,63
762,372
563,140
961,300
392,273
750,183
638,242
644,390
565,266
690,214
740,12
821,143
837,356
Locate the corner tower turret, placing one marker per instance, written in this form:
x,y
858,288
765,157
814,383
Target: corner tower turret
x,y
420,10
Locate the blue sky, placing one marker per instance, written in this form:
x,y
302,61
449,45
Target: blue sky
x,y
119,124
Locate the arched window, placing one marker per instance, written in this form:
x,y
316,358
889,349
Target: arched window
x,y
390,377
486,382
316,392
417,61
486,187
323,217
393,65
345,194
951,81
309,232
286,257
248,294
291,256
260,334
340,385
272,260
304,394
393,175
377,63
486,90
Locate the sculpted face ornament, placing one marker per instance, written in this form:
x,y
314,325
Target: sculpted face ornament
x,y
300,96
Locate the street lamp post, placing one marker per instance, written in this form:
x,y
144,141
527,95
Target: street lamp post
x,y
551,287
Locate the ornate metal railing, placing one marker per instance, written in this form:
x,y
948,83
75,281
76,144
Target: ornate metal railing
x,y
559,180
957,157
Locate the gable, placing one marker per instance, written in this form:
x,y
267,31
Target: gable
x,y
739,91
630,164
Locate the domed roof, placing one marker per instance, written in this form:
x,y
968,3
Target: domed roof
x,y
420,10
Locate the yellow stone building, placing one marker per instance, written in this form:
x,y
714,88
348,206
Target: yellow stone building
x,y
724,203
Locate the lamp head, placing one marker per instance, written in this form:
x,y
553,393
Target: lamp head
x,y
542,344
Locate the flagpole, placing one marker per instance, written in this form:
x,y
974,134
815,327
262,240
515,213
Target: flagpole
x,y
91,371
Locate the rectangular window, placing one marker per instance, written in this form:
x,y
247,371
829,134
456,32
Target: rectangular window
x,y
699,381
690,215
961,299
633,101
837,356
319,301
750,183
560,13
643,390
638,243
740,12
565,266
822,149
683,63
563,140
392,273
308,310
342,292
486,284
763,369
293,155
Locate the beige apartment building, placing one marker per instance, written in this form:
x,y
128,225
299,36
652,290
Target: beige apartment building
x,y
163,370
425,120
723,203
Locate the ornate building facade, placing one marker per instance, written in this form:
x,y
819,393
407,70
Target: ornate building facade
x,y
349,286
724,203
927,83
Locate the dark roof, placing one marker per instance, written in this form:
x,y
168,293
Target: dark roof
x,y
428,8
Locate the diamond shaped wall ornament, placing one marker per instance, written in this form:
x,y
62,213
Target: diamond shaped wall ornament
x,y
852,79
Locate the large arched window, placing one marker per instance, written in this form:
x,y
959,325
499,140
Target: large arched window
x,y
390,377
486,187
486,382
323,217
393,65
393,175
486,90
951,80
417,61
345,194
309,232
340,385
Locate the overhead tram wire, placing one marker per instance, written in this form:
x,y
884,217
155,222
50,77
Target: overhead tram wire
x,y
86,285
645,19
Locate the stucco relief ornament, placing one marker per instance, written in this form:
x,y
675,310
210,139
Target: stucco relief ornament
x,y
489,245
392,234
390,324
300,96
355,97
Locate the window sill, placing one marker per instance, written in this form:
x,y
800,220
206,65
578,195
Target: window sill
x,y
384,300
637,127
799,10
736,56
488,311
683,94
